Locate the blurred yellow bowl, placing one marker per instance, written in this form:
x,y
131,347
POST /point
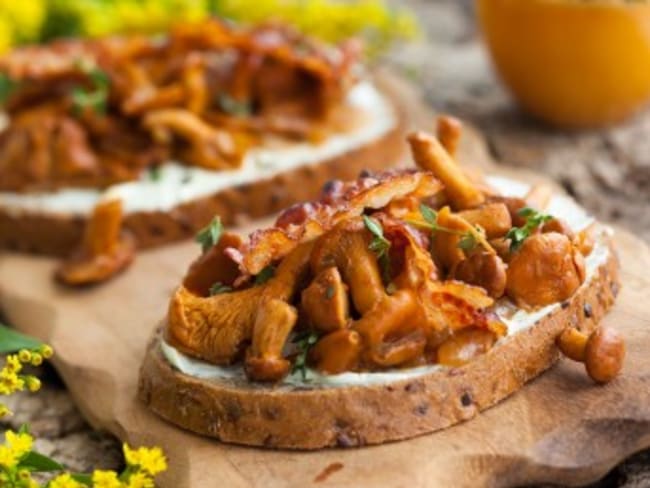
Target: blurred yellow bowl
x,y
573,63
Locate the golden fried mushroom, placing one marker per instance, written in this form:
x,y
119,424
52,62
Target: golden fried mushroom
x,y
104,251
602,352
547,269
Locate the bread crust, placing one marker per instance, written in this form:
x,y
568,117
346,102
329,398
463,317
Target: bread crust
x,y
57,235
299,418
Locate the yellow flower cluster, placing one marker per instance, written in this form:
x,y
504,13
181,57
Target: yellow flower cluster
x,y
332,20
143,464
12,381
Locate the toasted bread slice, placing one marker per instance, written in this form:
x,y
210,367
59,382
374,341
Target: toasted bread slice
x,y
312,416
41,229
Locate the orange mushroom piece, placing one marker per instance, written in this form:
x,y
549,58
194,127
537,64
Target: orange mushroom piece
x,y
602,351
105,249
547,268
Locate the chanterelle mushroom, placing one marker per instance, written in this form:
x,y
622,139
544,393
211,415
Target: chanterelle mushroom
x,y
105,250
547,269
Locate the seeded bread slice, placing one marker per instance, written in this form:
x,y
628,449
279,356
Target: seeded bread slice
x,y
299,418
58,234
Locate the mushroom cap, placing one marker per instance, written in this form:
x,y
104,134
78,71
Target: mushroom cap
x,y
547,269
604,354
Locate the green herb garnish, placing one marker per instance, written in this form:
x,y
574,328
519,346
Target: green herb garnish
x,y
7,86
96,98
304,342
534,219
232,106
467,242
155,173
265,275
209,236
467,238
379,245
219,288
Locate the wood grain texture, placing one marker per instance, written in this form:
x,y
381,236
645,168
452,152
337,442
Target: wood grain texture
x,y
560,428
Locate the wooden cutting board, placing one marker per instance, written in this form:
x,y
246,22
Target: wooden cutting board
x,y
561,428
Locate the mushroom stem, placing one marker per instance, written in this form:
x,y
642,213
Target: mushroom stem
x,y
602,352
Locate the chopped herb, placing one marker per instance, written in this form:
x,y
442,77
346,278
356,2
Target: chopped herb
x,y
467,238
155,173
209,236
7,86
265,275
219,288
329,292
96,98
467,242
534,219
379,245
232,106
304,342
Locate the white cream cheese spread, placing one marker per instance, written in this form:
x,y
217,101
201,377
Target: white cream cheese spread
x,y
176,184
515,318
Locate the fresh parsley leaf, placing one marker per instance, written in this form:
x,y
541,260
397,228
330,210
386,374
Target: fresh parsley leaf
x,y
209,236
429,214
155,173
218,288
265,275
7,86
534,219
304,342
232,106
467,241
379,245
95,98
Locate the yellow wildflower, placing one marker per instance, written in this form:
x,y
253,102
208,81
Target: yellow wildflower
x,y
26,17
24,355
139,480
150,460
46,351
105,479
65,481
7,457
20,443
33,383
10,382
4,411
37,359
13,364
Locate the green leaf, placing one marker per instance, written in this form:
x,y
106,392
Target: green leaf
x,y
7,86
233,106
209,236
304,342
429,214
265,275
534,219
373,226
467,242
84,479
219,288
12,341
34,461
155,173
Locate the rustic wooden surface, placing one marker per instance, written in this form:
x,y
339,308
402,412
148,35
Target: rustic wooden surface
x,y
559,428
608,171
